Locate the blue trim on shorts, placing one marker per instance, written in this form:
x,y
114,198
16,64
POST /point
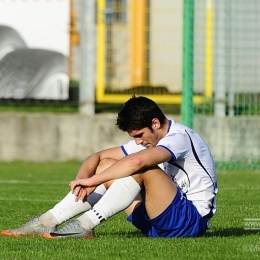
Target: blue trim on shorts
x,y
180,219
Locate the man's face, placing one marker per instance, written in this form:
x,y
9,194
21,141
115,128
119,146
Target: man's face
x,y
145,137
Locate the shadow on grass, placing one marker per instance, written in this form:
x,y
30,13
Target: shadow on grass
x,y
228,232
231,232
126,234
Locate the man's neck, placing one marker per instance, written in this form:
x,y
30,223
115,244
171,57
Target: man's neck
x,y
165,127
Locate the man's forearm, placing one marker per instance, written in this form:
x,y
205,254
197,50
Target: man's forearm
x,y
120,169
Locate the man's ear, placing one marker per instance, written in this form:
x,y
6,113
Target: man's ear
x,y
156,123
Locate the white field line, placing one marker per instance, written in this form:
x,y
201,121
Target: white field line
x,y
33,182
27,199
239,187
30,183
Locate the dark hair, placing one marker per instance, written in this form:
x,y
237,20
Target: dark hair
x,y
138,113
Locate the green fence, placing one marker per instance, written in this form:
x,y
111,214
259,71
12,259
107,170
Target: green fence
x,y
224,61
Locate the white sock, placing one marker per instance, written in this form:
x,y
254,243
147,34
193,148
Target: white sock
x,y
118,197
68,207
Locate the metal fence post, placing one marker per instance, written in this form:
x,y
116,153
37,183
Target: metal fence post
x,y
220,60
88,58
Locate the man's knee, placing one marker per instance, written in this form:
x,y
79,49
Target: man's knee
x,y
104,164
144,176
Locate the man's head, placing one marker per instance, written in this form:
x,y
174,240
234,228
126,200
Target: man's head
x,y
138,113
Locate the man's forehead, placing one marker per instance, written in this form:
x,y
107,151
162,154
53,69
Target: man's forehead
x,y
139,132
134,133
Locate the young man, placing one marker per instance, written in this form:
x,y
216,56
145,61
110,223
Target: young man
x,y
164,179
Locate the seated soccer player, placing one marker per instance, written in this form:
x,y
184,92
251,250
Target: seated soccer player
x,y
164,179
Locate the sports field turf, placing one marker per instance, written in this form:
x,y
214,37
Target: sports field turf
x,y
28,189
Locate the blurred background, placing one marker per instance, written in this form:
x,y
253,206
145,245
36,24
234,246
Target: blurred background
x,y
198,59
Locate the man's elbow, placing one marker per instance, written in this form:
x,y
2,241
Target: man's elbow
x,y
136,162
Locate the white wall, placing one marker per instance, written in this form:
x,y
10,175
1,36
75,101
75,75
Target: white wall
x,y
61,137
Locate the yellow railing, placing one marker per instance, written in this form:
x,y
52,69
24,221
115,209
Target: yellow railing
x,y
101,30
138,60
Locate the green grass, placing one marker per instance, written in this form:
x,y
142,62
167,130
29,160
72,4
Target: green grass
x,y
29,189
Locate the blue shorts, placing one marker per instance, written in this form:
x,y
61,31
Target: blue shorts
x,y
180,219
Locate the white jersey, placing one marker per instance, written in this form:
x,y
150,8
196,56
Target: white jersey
x,y
191,168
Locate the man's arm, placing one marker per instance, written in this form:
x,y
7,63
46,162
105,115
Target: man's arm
x,y
127,166
89,167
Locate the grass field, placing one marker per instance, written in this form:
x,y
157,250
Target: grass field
x,y
29,189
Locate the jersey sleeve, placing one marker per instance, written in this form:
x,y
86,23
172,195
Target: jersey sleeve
x,y
131,147
177,144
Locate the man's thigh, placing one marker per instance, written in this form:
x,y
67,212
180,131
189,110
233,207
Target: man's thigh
x,y
158,188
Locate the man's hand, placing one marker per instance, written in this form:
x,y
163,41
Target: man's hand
x,y
80,188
